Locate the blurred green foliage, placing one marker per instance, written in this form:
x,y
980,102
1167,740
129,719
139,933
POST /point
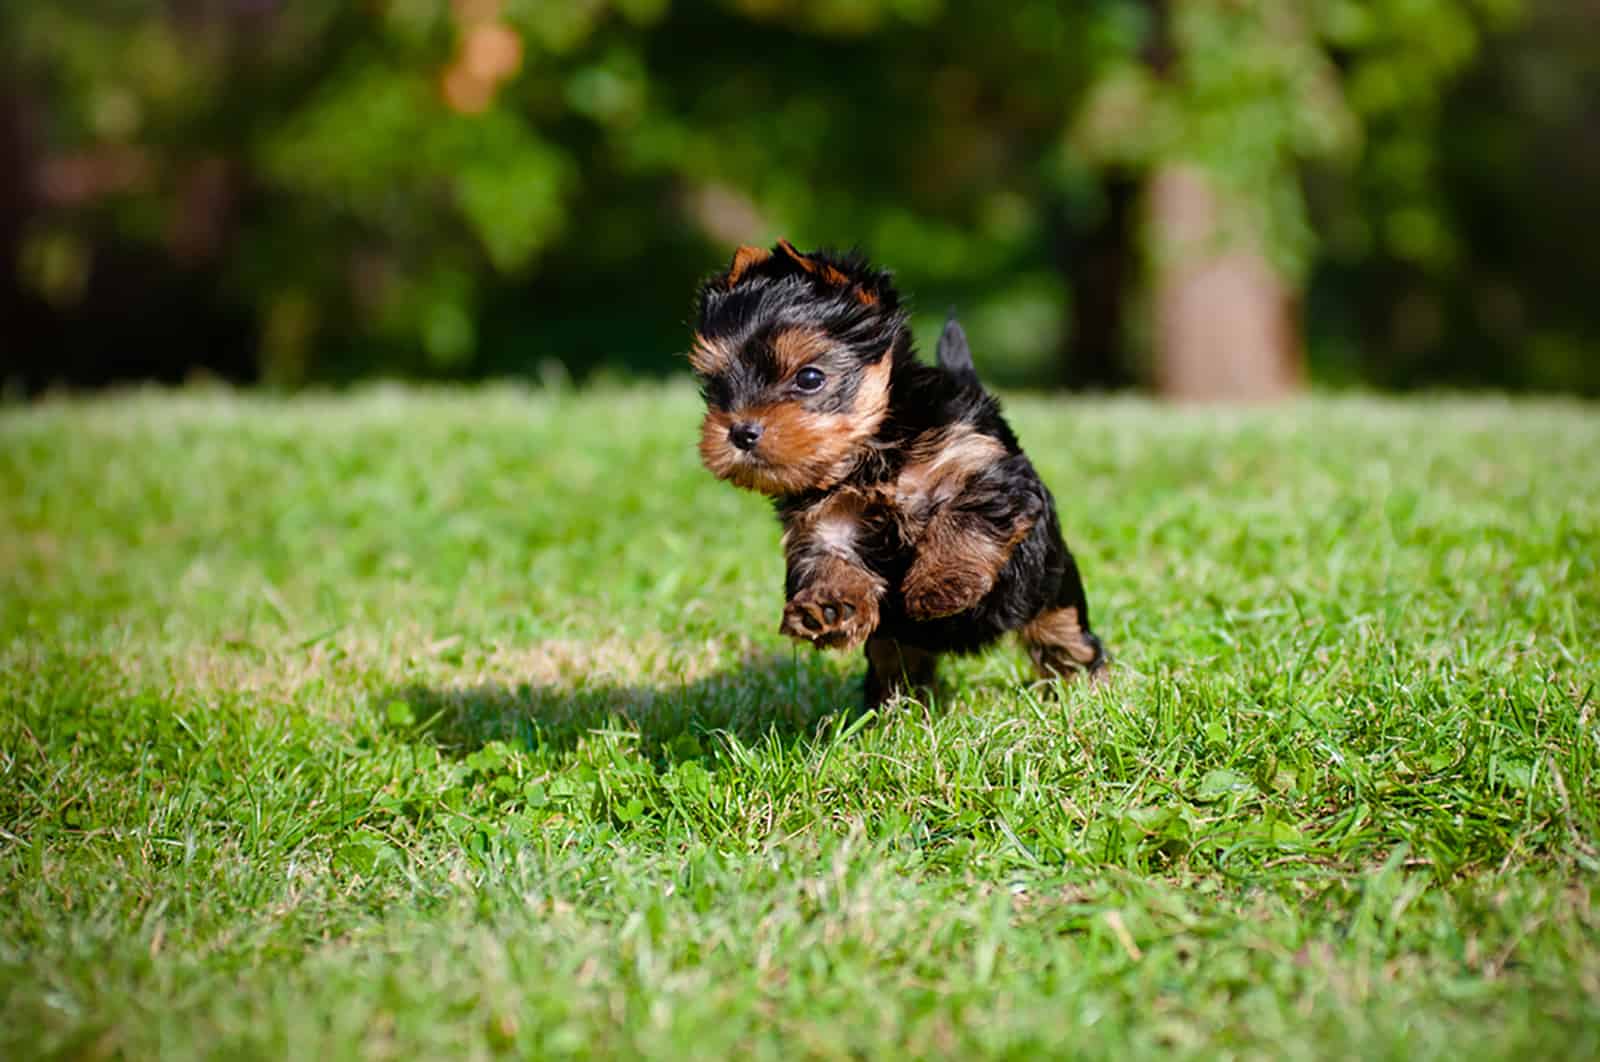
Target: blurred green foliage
x,y
477,187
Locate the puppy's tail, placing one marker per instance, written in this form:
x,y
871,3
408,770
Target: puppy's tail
x,y
955,356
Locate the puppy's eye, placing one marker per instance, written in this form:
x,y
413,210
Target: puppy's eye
x,y
809,380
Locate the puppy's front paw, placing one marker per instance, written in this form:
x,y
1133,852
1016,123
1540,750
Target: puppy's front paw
x,y
934,591
830,617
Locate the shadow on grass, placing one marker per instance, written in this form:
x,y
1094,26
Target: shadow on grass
x,y
776,694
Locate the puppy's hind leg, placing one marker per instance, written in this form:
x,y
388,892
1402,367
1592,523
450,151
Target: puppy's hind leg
x,y
894,668
1059,638
1061,647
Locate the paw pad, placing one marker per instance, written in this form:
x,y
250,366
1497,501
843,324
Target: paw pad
x,y
828,621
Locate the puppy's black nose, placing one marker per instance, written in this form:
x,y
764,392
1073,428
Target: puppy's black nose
x,y
745,435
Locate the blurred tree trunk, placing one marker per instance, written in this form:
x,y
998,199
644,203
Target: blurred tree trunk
x,y
1224,324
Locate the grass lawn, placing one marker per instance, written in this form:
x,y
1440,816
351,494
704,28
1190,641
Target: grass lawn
x,y
456,724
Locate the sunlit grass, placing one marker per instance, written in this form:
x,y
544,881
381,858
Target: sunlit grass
x,y
455,724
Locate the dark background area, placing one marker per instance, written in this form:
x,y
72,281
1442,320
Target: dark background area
x,y
1125,193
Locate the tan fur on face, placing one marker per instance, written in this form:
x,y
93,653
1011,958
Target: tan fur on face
x,y
708,356
799,449
795,348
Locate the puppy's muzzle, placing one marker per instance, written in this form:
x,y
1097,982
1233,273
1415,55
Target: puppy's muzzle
x,y
745,435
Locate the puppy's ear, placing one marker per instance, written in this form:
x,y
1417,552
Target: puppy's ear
x,y
821,270
786,249
744,258
865,284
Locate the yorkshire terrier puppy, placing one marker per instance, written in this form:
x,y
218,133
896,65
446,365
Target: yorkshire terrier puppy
x,y
913,522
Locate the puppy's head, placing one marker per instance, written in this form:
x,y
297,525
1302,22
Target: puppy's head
x,y
794,353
